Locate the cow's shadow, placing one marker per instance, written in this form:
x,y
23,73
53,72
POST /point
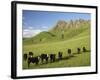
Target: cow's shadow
x,y
82,52
57,60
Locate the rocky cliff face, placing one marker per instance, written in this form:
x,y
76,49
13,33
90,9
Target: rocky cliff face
x,y
71,24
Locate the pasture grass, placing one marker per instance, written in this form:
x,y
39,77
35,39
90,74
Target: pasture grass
x,y
78,60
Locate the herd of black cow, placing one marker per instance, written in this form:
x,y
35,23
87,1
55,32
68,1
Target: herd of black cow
x,y
44,58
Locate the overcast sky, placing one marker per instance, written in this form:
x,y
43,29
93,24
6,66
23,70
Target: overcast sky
x,y
34,22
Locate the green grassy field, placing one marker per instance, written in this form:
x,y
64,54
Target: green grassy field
x,y
74,38
79,59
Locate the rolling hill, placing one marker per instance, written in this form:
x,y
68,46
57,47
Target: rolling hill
x,y
61,31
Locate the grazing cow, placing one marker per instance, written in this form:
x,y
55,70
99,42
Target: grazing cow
x,y
30,54
44,57
52,57
78,50
69,52
33,60
59,55
25,56
84,49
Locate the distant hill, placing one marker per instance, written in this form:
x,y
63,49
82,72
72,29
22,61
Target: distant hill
x,y
63,30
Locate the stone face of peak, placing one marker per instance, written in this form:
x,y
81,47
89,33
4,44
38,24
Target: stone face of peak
x,y
61,24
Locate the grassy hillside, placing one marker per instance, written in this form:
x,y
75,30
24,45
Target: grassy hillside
x,y
56,34
83,60
52,42
59,45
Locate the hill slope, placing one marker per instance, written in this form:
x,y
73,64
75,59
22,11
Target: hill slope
x,y
61,31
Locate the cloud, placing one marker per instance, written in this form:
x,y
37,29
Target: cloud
x,y
30,32
44,27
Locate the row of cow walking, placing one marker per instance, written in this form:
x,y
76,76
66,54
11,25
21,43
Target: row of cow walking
x,y
45,58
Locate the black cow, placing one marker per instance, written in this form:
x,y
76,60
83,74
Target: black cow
x,y
30,54
78,50
44,57
59,55
25,56
33,60
69,52
52,57
84,49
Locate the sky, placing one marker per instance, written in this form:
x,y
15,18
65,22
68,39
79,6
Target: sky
x,y
34,22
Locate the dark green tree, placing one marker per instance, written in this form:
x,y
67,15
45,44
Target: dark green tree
x,y
62,34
